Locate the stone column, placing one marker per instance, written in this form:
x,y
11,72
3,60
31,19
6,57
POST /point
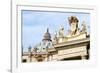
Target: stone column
x,y
50,58
83,57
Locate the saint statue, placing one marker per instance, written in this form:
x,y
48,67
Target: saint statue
x,y
73,21
61,32
83,26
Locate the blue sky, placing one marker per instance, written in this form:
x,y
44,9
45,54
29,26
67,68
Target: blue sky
x,y
35,24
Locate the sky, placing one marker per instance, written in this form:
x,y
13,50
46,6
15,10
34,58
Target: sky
x,y
35,24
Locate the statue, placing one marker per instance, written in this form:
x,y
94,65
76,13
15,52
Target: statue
x,y
83,27
61,32
73,21
55,39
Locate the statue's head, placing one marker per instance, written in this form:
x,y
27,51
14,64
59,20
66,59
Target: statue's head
x,y
72,20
